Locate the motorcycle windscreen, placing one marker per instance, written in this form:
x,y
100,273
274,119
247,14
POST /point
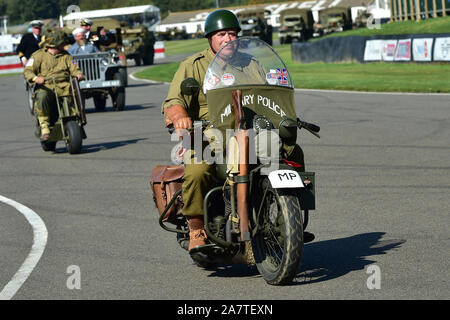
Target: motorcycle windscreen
x,y
252,66
273,102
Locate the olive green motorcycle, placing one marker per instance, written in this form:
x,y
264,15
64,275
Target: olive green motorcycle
x,y
67,120
259,209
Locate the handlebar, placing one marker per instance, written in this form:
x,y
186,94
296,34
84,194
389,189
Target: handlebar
x,y
204,124
308,126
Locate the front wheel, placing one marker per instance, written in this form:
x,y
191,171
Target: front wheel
x,y
74,139
118,95
278,244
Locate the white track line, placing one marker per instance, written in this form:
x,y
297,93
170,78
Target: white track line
x,y
37,249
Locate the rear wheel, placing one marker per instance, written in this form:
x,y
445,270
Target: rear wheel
x,y
74,137
278,244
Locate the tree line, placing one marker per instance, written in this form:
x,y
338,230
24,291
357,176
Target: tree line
x,y
20,11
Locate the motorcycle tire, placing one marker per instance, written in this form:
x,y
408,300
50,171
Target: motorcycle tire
x,y
75,139
278,244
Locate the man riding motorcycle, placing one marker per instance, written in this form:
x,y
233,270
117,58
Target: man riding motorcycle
x,y
221,27
52,61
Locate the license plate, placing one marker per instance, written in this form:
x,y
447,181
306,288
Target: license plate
x,y
285,179
111,83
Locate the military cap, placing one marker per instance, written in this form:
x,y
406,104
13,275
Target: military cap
x,y
86,22
36,23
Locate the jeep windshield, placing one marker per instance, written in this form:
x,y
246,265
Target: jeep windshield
x,y
246,61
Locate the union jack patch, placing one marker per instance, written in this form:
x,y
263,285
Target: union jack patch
x,y
282,76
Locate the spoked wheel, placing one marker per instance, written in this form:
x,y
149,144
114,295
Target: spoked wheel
x,y
74,136
278,244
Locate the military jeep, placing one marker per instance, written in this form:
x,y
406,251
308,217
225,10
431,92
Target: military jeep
x,y
295,25
105,76
335,19
254,23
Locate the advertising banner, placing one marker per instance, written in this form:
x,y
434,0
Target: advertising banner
x,y
389,47
6,43
422,49
442,49
373,50
403,50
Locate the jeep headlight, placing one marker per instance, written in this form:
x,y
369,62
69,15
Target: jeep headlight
x,y
104,61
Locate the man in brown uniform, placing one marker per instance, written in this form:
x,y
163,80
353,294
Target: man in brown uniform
x,y
221,27
52,61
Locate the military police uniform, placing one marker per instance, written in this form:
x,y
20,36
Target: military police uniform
x,y
44,64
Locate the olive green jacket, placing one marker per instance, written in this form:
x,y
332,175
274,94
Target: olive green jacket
x,y
195,67
44,64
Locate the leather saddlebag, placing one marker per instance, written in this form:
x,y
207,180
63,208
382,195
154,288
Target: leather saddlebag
x,y
165,182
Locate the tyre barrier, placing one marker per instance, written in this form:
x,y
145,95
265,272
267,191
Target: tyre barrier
x,y
421,48
159,50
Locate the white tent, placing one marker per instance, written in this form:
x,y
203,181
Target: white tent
x,y
102,13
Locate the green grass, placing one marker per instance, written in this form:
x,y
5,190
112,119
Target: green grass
x,y
9,74
378,76
184,46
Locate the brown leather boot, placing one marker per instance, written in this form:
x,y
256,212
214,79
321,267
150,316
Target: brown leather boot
x,y
197,234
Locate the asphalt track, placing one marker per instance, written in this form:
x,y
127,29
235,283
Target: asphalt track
x,y
383,172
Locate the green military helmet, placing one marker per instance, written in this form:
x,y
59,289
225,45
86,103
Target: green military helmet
x,y
219,20
54,37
